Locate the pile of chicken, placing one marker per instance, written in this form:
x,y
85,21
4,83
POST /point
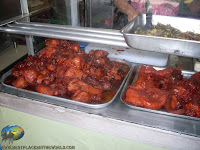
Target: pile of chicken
x,y
166,89
62,69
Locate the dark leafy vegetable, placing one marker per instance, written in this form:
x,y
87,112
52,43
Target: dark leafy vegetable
x,y
168,31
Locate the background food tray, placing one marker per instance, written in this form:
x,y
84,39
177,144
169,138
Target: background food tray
x,y
35,95
133,78
175,46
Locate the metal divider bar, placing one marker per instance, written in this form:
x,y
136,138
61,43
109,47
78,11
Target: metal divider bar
x,y
85,29
68,31
63,35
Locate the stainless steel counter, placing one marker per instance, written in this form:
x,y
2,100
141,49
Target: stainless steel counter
x,y
117,110
116,120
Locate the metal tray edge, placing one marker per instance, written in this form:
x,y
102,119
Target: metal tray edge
x,y
178,45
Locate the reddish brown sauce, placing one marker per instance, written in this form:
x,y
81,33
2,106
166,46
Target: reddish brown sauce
x,y
106,96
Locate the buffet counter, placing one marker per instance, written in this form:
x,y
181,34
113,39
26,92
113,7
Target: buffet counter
x,y
149,130
113,121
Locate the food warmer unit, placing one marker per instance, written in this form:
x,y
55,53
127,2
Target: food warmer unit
x,y
122,45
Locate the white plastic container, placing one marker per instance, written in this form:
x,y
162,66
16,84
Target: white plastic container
x,y
131,55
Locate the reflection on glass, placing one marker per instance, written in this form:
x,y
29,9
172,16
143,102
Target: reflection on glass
x,y
12,48
9,8
90,13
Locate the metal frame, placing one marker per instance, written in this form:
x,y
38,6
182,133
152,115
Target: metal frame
x,y
83,34
29,38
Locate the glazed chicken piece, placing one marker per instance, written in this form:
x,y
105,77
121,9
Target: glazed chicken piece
x,y
193,108
135,97
174,105
147,70
52,42
30,75
54,88
78,85
44,89
20,82
74,73
76,62
18,69
98,54
144,94
60,72
49,51
98,57
46,78
196,76
81,96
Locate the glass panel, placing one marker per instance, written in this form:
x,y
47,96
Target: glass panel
x,y
12,48
87,13
9,8
103,13
99,13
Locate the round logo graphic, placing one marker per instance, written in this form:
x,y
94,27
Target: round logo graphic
x,y
14,131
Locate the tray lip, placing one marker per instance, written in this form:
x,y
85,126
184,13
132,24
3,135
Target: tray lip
x,y
151,110
125,33
70,100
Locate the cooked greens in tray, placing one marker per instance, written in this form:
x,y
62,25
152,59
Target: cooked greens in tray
x,y
162,30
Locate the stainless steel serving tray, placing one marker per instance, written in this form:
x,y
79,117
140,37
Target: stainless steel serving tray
x,y
132,78
175,46
31,94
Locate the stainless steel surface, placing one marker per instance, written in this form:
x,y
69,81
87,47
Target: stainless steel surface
x,y
28,94
67,27
148,6
117,110
133,78
179,47
29,44
102,36
68,31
